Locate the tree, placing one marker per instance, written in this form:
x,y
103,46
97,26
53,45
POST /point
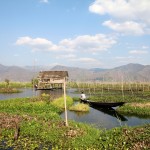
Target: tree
x,y
34,81
7,82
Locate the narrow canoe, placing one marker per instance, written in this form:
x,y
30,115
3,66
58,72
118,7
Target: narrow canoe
x,y
43,89
103,104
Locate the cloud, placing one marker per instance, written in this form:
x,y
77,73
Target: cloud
x,y
16,55
123,9
124,12
145,47
138,52
87,61
84,43
68,56
127,59
98,42
128,27
44,1
37,44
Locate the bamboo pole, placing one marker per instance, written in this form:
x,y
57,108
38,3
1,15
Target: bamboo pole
x,y
66,119
94,87
122,88
143,86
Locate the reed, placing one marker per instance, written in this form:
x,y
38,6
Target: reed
x,y
16,85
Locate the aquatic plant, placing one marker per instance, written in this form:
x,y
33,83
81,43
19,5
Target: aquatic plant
x,y
59,102
16,84
9,90
80,107
135,109
41,126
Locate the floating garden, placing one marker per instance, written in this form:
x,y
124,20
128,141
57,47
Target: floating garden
x,y
135,95
35,122
13,87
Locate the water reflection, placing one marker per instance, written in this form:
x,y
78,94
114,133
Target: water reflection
x,y
104,119
95,118
26,92
56,93
112,112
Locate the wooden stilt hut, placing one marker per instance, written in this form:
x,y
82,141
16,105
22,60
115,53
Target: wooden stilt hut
x,y
48,80
54,79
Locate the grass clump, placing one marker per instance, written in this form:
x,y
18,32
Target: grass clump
x,y
16,84
80,107
135,109
9,90
59,102
76,99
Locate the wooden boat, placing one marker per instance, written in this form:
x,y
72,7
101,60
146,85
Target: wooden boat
x,y
44,89
103,104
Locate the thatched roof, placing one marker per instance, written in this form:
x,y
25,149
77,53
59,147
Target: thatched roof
x,y
53,74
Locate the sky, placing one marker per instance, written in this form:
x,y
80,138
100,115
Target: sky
x,y
74,33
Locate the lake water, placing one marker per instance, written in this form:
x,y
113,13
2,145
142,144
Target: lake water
x,y
98,117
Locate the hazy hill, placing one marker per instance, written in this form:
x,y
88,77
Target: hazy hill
x,y
97,69
79,74
129,72
15,73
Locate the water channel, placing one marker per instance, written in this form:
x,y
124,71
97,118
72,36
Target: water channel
x,y
99,118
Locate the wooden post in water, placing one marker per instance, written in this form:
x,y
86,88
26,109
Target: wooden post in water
x,y
66,119
122,88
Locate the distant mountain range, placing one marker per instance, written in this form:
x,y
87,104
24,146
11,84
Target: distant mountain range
x,y
129,72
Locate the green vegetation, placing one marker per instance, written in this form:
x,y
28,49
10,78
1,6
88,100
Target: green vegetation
x,y
7,82
35,123
15,84
136,95
125,138
13,87
9,90
80,107
110,86
59,102
39,126
136,109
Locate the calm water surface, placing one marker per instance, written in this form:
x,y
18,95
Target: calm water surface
x,y
26,93
99,118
